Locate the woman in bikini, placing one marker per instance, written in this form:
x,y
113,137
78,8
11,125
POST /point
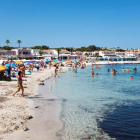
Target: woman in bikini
x,y
19,82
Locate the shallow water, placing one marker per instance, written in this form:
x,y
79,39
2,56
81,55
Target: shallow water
x,y
99,107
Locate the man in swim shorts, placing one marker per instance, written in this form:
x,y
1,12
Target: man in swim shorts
x,y
92,72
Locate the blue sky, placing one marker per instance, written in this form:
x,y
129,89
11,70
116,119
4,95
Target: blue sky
x,y
70,23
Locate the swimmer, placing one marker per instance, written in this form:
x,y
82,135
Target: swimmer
x,y
131,77
92,72
123,69
135,69
96,73
108,70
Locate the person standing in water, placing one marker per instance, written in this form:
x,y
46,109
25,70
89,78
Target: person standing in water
x,y
55,71
123,69
131,77
19,84
108,70
92,72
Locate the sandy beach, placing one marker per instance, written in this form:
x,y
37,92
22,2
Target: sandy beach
x,y
16,111
37,115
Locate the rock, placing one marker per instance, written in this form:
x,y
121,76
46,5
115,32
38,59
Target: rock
x,y
41,83
27,117
13,127
37,107
30,117
2,127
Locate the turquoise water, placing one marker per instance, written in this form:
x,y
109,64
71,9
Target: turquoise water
x,y
99,107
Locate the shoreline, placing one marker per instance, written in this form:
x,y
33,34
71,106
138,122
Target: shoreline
x,y
115,62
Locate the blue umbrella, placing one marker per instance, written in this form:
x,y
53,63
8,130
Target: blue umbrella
x,y
26,63
55,60
12,65
46,61
101,58
74,61
90,60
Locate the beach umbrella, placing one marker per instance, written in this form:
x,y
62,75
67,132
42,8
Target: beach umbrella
x,y
47,61
79,60
11,61
12,65
32,61
26,63
54,63
55,60
18,62
74,61
101,58
2,68
106,59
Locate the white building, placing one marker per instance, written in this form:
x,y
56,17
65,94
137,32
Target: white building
x,y
107,54
89,53
49,54
121,54
21,52
7,54
35,52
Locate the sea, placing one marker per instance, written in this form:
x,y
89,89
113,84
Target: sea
x,y
99,107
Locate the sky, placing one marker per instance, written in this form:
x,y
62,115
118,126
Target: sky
x,y
70,23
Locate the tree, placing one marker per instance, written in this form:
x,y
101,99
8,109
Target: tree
x,y
36,47
71,50
96,54
120,50
58,50
19,41
7,41
44,47
40,52
86,54
7,48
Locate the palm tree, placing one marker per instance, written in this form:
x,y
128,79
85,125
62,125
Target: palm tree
x,y
19,41
71,50
58,50
7,41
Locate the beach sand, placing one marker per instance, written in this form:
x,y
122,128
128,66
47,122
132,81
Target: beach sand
x,y
16,122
